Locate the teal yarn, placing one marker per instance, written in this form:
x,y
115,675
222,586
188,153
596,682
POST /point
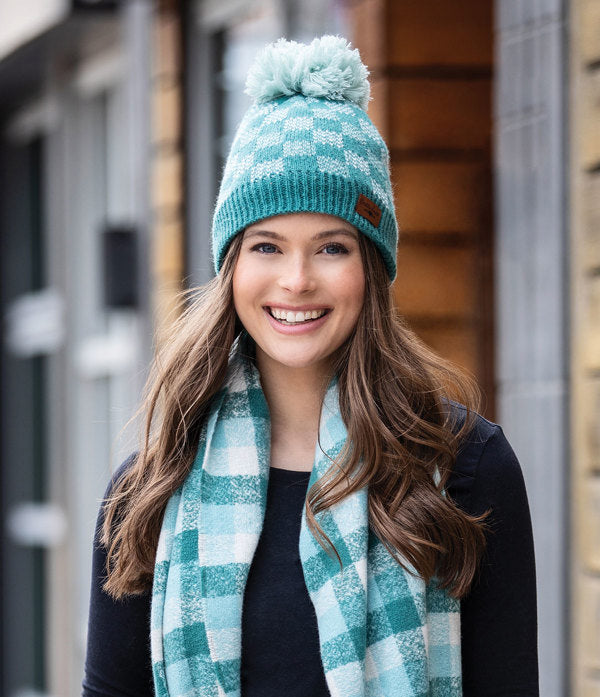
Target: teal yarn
x,y
307,145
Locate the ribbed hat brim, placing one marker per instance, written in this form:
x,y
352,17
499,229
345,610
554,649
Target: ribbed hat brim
x,y
302,191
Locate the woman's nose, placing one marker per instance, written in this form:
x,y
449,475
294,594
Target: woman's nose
x,y
297,275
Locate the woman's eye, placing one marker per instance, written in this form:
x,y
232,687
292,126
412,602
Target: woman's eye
x,y
335,248
264,248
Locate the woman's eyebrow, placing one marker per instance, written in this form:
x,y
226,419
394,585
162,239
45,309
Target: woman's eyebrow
x,y
248,235
337,231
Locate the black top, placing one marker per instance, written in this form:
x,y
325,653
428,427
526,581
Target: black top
x,y
280,648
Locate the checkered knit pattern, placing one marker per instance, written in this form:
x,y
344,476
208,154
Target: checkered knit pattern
x,y
383,632
306,154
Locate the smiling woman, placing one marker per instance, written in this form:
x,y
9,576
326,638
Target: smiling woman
x,y
310,510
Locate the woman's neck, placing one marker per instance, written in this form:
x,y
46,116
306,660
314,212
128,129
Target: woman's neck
x,y
294,396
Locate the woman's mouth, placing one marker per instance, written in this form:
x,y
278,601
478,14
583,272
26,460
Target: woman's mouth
x,y
292,317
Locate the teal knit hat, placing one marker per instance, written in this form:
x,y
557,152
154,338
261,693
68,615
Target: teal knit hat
x,y
307,145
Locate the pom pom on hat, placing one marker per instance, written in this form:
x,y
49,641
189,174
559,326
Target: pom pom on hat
x,y
326,68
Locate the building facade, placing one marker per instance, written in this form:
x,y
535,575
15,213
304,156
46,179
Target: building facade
x,y
77,326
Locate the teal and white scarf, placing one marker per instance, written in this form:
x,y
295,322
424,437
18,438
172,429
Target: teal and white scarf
x,y
382,631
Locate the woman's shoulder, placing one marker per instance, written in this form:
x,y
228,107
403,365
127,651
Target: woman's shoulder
x,y
121,470
484,456
480,427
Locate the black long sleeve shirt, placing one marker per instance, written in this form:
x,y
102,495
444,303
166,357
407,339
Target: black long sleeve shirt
x,y
280,648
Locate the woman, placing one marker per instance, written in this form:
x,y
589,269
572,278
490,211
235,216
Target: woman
x,y
310,512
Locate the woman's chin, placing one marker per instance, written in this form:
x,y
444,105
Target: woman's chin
x,y
295,360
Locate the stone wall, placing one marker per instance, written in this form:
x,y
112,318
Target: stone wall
x,y
584,112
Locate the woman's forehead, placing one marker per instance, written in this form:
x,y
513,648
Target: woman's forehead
x,y
315,224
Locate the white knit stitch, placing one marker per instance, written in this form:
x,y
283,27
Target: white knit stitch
x,y
266,168
299,123
302,147
328,137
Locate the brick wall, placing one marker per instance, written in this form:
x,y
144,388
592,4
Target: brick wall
x,y
167,265
431,71
585,362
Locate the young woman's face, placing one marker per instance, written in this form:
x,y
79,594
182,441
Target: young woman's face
x,y
298,287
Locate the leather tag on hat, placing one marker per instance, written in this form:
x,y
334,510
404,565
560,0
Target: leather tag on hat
x,y
368,209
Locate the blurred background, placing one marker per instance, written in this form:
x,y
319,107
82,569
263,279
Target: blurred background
x,y
115,119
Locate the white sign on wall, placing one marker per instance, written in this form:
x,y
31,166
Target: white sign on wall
x,y
35,323
23,20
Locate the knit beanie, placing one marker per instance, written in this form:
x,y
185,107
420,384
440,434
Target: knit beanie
x,y
307,145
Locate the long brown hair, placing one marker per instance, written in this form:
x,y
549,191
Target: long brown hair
x,y
403,436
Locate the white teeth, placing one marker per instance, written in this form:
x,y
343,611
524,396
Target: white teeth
x,y
292,317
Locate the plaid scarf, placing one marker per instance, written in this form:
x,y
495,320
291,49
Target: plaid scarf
x,y
383,632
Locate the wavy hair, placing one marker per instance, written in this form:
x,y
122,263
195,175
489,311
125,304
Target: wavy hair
x,y
403,437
